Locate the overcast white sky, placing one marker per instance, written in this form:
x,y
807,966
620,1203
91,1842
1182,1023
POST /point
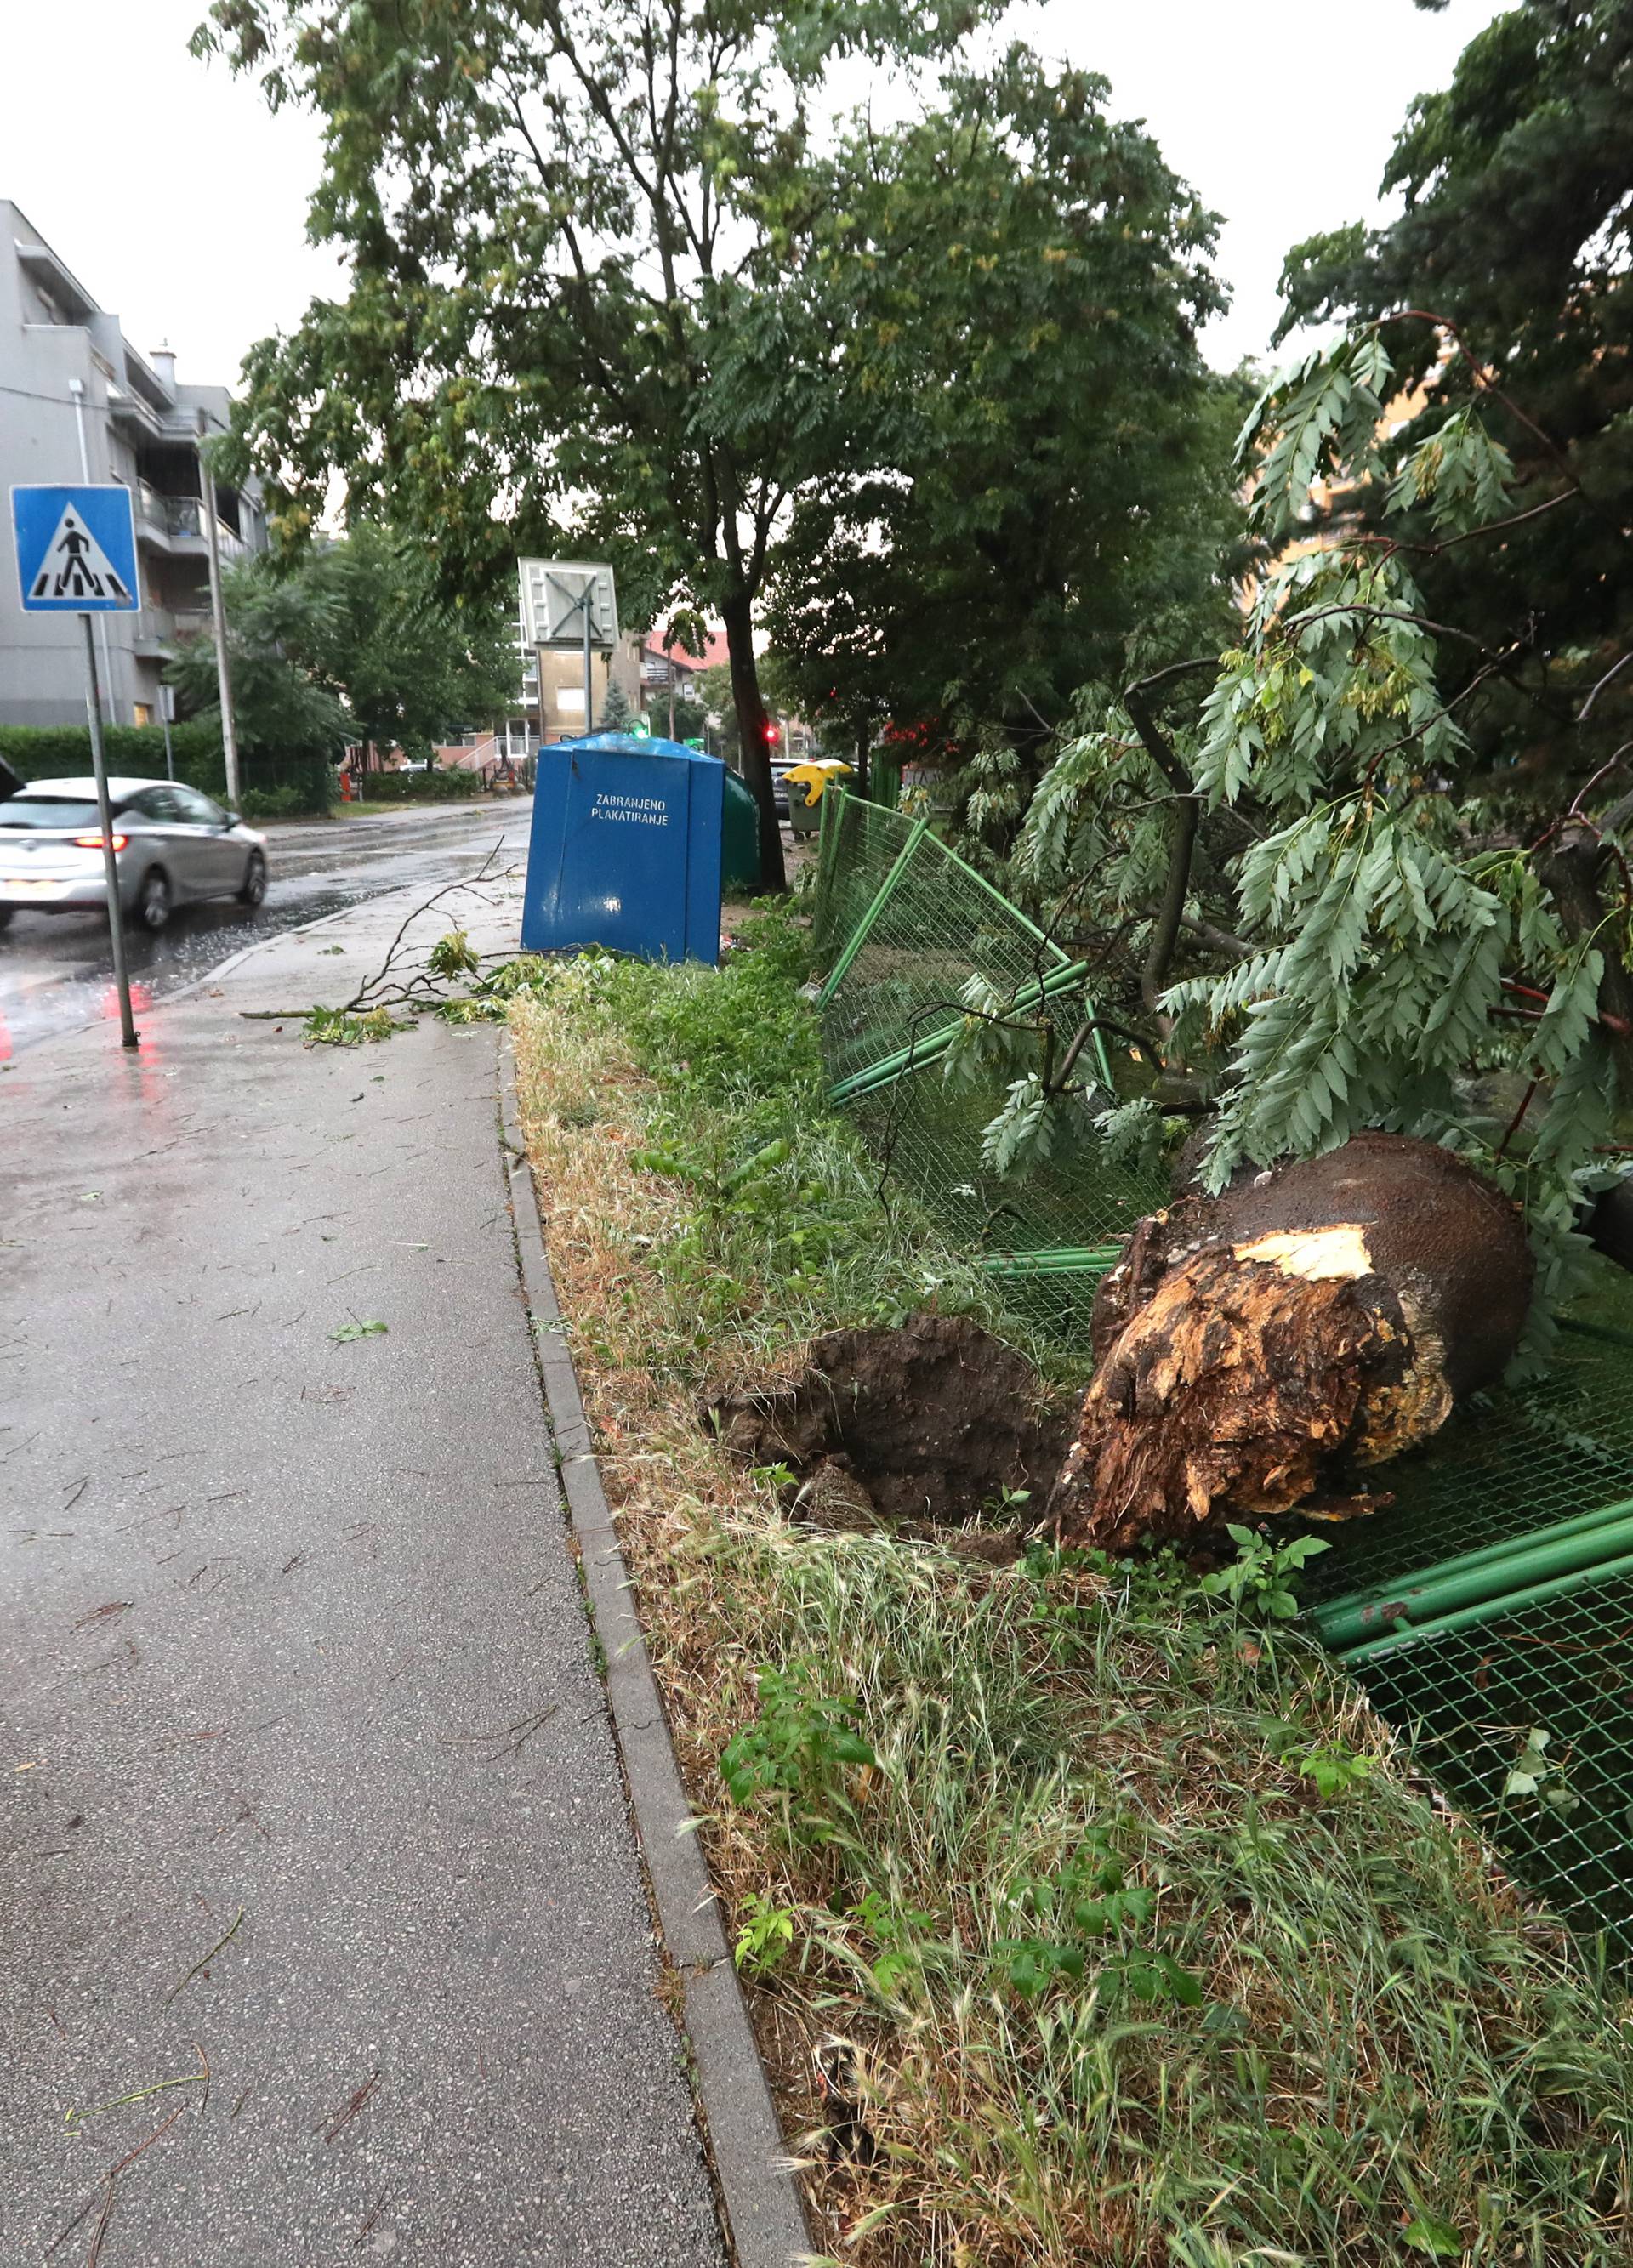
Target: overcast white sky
x,y
180,203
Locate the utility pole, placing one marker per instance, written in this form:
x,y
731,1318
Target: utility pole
x,y
218,609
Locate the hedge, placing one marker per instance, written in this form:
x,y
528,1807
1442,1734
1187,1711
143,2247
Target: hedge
x,y
277,782
418,787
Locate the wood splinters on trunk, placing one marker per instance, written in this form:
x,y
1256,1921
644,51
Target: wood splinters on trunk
x,y
1337,1307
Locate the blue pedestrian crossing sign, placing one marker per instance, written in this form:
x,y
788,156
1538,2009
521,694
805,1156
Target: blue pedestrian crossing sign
x,y
76,550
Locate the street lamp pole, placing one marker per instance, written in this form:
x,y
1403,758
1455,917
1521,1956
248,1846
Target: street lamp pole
x,y
218,610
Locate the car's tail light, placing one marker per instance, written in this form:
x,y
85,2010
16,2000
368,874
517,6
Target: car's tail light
x,y
94,842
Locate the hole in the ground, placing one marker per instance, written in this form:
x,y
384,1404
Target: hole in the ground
x,y
930,1423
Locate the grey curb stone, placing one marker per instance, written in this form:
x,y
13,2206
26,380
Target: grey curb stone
x,y
761,2196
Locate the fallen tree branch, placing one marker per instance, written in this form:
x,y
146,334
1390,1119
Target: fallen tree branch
x,y
205,1962
371,986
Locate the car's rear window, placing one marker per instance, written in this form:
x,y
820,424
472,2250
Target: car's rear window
x,y
47,811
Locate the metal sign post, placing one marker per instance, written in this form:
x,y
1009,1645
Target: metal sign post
x,y
77,555
110,863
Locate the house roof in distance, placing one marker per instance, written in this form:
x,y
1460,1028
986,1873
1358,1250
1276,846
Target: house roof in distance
x,y
713,657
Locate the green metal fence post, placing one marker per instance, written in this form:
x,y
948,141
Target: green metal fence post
x,y
1580,1545
920,1052
859,935
1488,1610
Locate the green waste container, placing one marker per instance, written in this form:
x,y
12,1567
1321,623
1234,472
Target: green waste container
x,y
740,838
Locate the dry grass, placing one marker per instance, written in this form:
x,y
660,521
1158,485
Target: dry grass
x,y
1391,2056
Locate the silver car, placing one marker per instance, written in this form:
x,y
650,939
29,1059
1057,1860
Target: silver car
x,y
171,845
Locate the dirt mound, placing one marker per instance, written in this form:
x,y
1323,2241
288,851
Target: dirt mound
x,y
937,1419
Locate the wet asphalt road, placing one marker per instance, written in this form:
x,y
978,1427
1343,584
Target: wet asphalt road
x,y
56,970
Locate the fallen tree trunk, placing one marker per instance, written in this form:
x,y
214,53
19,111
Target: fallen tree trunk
x,y
1250,1347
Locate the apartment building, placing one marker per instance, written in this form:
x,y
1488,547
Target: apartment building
x,y
78,403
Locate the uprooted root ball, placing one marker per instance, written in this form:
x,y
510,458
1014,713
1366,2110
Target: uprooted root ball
x,y
1337,1308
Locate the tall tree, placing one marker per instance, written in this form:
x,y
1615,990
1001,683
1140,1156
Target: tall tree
x,y
275,626
1400,954
413,666
1384,847
353,641
615,710
1026,278
580,299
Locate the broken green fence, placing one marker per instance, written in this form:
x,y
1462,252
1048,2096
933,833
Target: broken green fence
x,y
902,924
1489,1611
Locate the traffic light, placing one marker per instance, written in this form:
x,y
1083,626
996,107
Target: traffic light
x,y
772,734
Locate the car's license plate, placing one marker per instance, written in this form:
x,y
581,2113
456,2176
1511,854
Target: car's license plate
x,y
27,886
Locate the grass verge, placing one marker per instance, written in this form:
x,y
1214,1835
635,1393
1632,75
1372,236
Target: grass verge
x,y
1086,1916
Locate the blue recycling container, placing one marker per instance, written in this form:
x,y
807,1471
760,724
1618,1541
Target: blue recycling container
x,y
625,850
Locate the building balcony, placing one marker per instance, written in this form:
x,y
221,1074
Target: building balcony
x,y
155,629
176,523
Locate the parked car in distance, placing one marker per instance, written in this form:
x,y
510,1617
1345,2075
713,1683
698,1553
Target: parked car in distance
x,y
171,846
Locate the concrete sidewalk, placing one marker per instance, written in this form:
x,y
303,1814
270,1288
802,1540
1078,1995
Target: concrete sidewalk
x,y
292,1656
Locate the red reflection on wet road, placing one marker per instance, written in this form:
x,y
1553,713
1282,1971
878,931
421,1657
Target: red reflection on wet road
x,y
108,1006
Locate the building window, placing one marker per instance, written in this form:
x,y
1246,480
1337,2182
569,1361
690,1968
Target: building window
x,y
141,712
569,700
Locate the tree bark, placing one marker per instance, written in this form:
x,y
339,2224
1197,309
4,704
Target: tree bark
x,y
752,744
1181,851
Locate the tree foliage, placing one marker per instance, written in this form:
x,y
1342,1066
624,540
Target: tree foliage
x,y
413,667
1517,232
274,625
1391,938
1370,866
1026,278
616,712
584,307
353,641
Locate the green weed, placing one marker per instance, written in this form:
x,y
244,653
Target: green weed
x,y
1260,1580
801,1750
764,1934
1334,1770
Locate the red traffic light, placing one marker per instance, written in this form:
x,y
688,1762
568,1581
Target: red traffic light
x,y
772,735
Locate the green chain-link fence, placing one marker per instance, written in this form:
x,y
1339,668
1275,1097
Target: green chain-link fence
x,y
1489,1609
902,925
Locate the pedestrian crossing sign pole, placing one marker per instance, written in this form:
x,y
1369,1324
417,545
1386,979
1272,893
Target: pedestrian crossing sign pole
x,y
76,555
